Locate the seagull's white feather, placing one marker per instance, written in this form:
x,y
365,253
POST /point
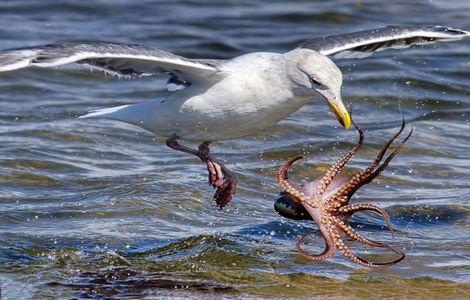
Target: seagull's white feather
x,y
364,43
120,59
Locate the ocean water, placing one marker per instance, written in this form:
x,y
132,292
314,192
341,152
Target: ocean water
x,y
94,208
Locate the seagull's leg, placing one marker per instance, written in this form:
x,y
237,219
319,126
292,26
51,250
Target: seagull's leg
x,y
219,176
173,144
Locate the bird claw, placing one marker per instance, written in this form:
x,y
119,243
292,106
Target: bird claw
x,y
224,182
225,192
215,176
219,176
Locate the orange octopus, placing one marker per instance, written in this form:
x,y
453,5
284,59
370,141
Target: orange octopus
x,y
326,201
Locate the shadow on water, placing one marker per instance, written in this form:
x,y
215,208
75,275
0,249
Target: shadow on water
x,y
122,282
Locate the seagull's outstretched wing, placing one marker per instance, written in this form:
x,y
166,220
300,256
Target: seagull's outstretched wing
x,y
364,43
115,58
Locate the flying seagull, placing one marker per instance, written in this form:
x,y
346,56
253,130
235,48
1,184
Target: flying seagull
x,y
223,99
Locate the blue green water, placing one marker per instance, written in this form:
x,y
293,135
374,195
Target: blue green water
x,y
99,208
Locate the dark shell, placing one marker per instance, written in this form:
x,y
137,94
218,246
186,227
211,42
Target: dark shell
x,y
288,207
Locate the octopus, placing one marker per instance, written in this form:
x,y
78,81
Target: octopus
x,y
326,201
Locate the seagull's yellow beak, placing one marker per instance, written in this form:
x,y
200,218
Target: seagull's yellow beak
x,y
338,108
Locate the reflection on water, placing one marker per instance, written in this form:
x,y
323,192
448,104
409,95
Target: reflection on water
x,y
103,209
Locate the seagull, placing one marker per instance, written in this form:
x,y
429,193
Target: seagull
x,y
216,99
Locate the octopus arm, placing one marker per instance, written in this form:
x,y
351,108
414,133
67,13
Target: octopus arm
x,y
353,208
349,254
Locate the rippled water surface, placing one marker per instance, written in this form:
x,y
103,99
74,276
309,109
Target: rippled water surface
x,y
98,208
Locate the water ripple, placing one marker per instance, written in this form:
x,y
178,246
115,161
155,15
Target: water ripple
x,y
93,209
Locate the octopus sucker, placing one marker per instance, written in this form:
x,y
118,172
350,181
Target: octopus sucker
x,y
326,202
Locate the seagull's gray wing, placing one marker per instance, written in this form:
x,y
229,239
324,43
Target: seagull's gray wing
x,y
115,58
364,43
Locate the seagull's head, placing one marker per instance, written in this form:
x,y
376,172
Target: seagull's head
x,y
314,74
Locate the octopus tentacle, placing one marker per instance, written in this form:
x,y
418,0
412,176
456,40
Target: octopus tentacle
x,y
348,253
379,170
367,177
345,250
369,174
336,201
289,187
360,238
325,225
329,248
384,149
356,235
352,208
338,165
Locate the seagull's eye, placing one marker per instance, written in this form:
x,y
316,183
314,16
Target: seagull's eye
x,y
314,81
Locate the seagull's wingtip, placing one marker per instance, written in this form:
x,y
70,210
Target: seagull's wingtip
x,y
456,32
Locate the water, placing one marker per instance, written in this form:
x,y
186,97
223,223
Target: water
x,y
98,208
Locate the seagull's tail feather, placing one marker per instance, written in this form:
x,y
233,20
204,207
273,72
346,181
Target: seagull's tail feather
x,y
145,115
104,113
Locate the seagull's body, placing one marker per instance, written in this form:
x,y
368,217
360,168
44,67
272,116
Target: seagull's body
x,y
224,99
245,95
